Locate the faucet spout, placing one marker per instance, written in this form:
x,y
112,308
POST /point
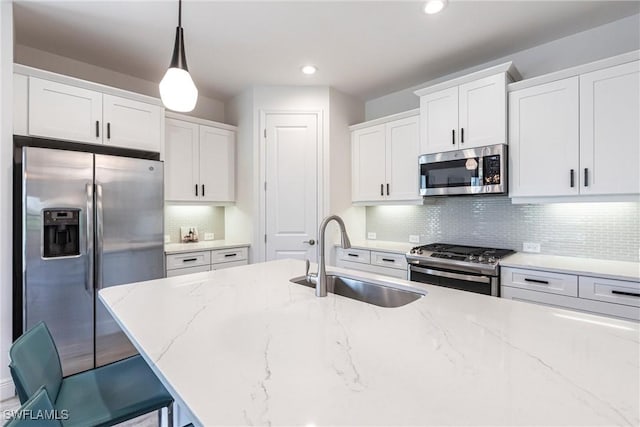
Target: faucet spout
x,y
320,279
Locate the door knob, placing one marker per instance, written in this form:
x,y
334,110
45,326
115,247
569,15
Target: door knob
x,y
310,242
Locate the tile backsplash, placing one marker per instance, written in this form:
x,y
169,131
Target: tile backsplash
x,y
590,230
207,219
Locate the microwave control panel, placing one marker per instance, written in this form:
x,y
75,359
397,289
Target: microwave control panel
x,y
491,170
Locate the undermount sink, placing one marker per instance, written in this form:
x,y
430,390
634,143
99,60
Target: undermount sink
x,y
372,293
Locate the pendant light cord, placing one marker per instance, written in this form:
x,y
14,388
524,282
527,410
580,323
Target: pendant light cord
x,y
179,13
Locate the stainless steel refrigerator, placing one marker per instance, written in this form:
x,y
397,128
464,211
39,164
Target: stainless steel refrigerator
x,y
89,221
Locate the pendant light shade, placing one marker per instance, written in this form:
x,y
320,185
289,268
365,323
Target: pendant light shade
x,y
177,90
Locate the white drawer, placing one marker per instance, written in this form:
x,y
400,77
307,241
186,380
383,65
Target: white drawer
x,y
228,264
386,259
391,272
228,255
354,255
608,290
543,281
188,270
188,259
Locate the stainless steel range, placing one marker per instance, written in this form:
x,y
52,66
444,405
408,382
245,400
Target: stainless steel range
x,y
468,268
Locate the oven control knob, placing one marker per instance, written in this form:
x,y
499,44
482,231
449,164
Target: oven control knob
x,y
472,258
492,259
481,258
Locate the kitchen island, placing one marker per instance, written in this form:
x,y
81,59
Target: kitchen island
x,y
244,346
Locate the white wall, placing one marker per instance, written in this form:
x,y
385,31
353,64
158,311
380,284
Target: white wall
x,y
6,149
597,43
207,108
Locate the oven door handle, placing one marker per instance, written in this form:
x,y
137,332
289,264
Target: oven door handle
x,y
450,275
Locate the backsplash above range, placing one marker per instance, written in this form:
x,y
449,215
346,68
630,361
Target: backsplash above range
x,y
207,219
589,230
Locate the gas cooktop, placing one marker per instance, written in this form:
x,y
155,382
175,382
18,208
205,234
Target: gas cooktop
x,y
443,254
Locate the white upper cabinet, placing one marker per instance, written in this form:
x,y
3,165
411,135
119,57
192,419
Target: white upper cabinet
x,y
199,162
51,108
132,124
544,139
610,130
576,136
368,163
217,164
466,112
385,161
64,112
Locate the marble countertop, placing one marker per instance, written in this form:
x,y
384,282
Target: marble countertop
x,y
205,245
244,346
622,270
382,246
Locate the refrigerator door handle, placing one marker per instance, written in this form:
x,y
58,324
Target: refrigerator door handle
x,y
99,237
89,238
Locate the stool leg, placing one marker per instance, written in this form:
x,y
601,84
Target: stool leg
x,y
165,416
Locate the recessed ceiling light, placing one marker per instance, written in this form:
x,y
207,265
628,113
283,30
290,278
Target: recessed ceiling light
x,y
434,6
309,69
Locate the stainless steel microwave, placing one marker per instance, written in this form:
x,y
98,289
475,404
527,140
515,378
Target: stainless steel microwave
x,y
481,170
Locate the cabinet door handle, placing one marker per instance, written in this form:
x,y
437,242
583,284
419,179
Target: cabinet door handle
x,y
544,282
462,135
196,190
453,136
387,189
97,128
382,189
388,260
108,130
586,177
571,179
230,255
354,255
629,294
189,259
202,190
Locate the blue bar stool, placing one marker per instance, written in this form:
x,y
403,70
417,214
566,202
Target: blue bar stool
x,y
103,396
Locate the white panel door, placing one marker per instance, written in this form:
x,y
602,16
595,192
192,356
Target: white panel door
x,y
610,130
217,164
132,124
544,140
483,112
439,121
403,143
181,160
291,194
368,164
64,112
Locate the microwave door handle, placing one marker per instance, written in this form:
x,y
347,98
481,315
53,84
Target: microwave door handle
x,y
450,275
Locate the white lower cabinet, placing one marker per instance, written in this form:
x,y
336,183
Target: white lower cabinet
x,y
615,298
384,263
199,261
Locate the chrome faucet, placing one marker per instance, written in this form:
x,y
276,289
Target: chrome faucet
x,y
320,278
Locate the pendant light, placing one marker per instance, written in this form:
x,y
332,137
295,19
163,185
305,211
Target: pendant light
x,y
177,90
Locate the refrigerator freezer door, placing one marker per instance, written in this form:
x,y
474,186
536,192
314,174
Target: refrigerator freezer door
x,y
129,238
58,289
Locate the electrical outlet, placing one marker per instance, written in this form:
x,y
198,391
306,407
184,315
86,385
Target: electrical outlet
x,y
167,238
209,236
371,236
531,247
414,238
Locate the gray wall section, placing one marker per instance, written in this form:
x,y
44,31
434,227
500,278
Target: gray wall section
x,y
589,230
597,43
207,219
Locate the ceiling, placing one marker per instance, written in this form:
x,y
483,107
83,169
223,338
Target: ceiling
x,y
363,48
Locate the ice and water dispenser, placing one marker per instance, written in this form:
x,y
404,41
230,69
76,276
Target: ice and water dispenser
x,y
61,232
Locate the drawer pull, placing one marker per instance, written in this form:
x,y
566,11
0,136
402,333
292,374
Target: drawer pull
x,y
230,255
544,282
629,294
189,259
388,260
354,255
